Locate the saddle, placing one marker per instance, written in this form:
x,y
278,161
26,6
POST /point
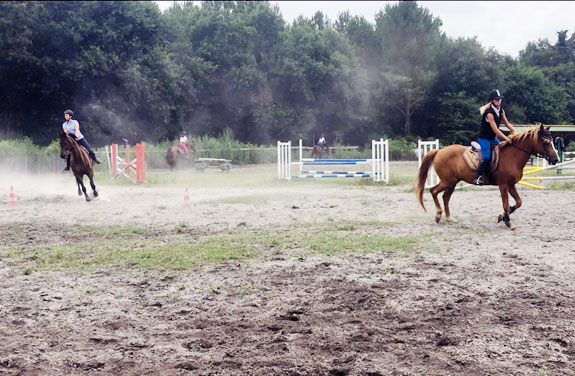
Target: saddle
x,y
181,150
473,157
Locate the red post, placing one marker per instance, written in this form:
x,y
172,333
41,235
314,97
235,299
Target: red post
x,y
143,162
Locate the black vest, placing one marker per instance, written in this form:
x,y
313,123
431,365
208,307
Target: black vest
x,y
486,131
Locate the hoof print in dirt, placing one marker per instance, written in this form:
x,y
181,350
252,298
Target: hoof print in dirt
x,y
445,341
292,315
275,328
88,366
187,366
338,372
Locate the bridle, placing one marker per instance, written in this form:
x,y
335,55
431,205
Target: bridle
x,y
530,152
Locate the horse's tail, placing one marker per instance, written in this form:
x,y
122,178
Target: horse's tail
x,y
422,175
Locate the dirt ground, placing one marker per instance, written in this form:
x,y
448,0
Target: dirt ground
x,y
473,299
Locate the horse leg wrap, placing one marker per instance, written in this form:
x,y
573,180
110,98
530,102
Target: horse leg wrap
x,y
512,209
506,220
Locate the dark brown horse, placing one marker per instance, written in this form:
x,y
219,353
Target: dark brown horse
x,y
174,154
80,162
452,168
317,151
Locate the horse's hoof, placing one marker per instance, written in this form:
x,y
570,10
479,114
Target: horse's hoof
x,y
437,218
451,220
95,194
511,226
87,199
500,218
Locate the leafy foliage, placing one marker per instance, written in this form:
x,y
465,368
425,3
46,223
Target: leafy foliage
x,y
131,71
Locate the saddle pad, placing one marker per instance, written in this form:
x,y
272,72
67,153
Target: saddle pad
x,y
471,157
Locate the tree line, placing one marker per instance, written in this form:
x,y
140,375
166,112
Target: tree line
x,y
130,71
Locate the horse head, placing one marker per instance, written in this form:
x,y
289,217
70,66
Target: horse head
x,y
192,145
65,146
545,146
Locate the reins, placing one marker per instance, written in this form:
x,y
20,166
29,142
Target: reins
x,y
530,152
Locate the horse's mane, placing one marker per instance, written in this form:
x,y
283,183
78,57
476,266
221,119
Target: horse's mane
x,y
80,152
531,134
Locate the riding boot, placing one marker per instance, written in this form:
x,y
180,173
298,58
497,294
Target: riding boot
x,y
94,158
480,169
67,168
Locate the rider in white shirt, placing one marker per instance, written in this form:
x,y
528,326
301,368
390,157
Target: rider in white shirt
x,y
184,143
321,142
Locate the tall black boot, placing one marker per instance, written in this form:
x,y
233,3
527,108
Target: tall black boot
x,y
479,176
67,168
94,158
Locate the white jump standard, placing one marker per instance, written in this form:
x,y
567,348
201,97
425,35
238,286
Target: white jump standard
x,y
379,164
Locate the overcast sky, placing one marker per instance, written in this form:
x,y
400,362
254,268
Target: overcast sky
x,y
505,25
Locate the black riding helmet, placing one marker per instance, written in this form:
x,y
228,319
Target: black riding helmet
x,y
69,112
494,94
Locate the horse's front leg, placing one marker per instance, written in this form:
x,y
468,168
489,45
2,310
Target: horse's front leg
x,y
504,189
81,184
94,191
515,195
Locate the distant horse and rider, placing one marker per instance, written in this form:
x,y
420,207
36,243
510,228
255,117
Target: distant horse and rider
x,y
180,152
320,147
451,168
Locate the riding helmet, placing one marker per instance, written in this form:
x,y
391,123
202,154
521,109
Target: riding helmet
x,y
69,112
494,94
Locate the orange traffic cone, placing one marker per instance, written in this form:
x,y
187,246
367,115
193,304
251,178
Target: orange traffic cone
x,y
186,199
12,197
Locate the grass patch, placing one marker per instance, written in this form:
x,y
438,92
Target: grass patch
x,y
131,247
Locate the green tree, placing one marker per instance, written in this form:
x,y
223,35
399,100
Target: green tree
x,y
410,40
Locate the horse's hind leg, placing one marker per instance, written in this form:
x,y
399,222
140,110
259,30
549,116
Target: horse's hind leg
x,y
446,196
79,188
434,192
81,183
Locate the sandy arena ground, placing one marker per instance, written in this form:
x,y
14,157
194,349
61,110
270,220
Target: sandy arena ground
x,y
472,299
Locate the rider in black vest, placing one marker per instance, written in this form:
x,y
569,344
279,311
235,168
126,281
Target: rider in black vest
x,y
491,117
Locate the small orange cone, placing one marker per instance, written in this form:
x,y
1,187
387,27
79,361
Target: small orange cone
x,y
186,199
12,197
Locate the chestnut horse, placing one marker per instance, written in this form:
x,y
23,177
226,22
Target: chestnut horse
x,y
317,151
174,154
452,168
80,162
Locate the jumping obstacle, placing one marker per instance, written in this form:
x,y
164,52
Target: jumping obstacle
x,y
126,166
533,170
424,147
379,164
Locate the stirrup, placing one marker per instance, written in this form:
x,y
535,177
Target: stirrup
x,y
478,180
67,168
